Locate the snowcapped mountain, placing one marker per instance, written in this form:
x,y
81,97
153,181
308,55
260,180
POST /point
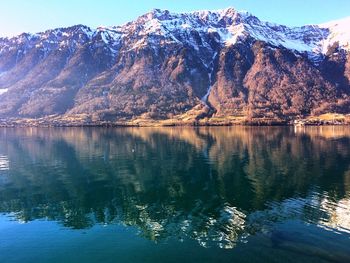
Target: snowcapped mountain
x,y
232,26
338,31
228,25
165,64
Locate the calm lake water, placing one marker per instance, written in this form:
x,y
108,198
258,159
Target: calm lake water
x,y
228,194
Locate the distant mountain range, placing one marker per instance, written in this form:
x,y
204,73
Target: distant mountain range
x,y
184,67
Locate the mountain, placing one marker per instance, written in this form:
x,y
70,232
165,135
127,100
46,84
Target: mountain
x,y
186,67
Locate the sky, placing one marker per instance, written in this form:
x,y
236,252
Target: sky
x,y
17,16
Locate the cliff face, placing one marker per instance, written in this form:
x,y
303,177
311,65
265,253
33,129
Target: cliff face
x,y
162,65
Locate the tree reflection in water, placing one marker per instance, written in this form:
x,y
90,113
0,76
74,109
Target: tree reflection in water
x,y
214,185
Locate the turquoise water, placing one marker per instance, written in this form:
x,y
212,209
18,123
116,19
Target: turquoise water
x,y
228,194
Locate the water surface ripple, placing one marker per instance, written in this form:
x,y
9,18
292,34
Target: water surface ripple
x,y
243,194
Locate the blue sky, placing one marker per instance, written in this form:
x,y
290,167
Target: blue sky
x,y
17,16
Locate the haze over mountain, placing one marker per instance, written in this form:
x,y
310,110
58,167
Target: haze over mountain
x,y
164,65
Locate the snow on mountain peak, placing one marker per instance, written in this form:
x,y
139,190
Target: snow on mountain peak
x,y
339,31
229,25
232,25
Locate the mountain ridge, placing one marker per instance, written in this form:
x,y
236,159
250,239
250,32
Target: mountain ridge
x,y
186,66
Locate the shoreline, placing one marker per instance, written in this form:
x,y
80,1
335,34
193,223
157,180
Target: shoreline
x,y
145,125
86,121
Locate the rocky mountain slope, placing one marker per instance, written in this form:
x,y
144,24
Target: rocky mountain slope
x,y
218,64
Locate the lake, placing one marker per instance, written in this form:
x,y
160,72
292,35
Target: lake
x,y
209,194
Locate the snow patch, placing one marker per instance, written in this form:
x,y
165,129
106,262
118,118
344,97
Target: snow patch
x,y
339,31
2,91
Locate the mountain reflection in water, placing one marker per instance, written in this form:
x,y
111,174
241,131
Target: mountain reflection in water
x,y
214,185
